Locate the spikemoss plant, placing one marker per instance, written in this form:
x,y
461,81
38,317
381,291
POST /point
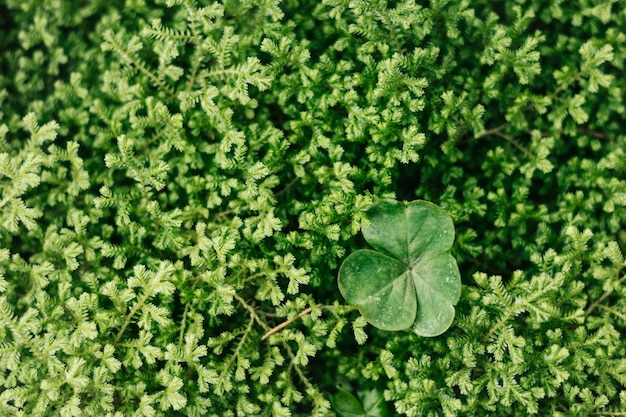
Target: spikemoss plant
x,y
180,181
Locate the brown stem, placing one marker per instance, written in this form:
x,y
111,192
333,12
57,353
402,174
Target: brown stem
x,y
602,298
287,322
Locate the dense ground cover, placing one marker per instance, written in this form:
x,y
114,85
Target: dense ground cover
x,y
179,178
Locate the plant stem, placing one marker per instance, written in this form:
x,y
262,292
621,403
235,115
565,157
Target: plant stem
x,y
288,322
602,298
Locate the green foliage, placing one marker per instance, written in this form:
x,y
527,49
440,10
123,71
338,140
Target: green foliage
x,y
180,181
412,281
347,405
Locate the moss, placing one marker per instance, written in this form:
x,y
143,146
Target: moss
x,y
178,178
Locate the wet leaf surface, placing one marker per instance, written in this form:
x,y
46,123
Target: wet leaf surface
x,y
410,280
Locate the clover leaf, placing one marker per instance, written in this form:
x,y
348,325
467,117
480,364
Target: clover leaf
x,y
411,280
371,404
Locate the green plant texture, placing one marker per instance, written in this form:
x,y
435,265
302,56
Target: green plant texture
x,y
372,404
413,281
181,182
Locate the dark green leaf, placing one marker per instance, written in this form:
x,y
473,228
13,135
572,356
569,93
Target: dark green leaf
x,y
412,280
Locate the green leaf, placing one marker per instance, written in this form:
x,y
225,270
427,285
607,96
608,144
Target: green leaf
x,y
371,404
411,280
346,404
